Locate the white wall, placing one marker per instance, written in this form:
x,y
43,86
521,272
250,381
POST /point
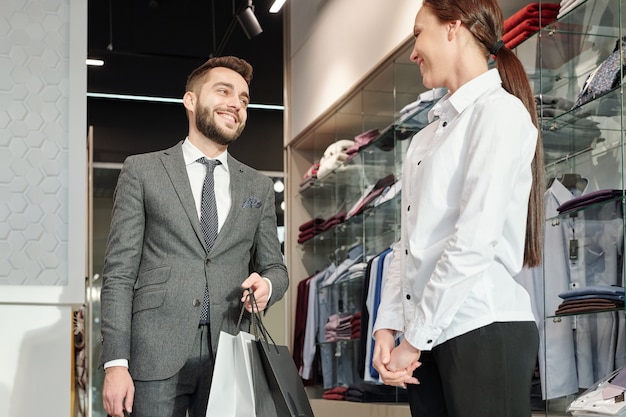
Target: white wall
x,y
334,44
42,201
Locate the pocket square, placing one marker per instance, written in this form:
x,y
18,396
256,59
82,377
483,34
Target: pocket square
x,y
252,202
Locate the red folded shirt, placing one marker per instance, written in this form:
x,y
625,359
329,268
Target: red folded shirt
x,y
529,11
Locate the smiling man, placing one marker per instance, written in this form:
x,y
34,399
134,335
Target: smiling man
x,y
192,228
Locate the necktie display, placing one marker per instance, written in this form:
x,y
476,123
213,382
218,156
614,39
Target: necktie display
x,y
604,78
208,221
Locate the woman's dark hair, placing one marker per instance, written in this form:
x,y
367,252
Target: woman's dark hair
x,y
483,18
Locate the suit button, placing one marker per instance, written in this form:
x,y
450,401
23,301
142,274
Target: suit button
x,y
207,261
195,302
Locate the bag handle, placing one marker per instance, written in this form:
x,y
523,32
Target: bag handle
x,y
257,321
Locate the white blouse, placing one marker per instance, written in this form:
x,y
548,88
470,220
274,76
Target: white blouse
x,y
465,185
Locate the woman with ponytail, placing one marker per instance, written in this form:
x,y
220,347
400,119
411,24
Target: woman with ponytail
x,y
453,325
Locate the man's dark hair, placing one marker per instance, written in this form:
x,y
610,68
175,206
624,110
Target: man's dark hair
x,y
241,66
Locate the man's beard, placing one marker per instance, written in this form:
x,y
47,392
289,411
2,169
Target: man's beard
x,y
205,123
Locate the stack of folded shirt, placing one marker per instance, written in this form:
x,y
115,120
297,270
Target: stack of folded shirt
x,y
338,327
370,194
552,106
588,199
318,225
576,135
361,141
334,156
337,393
355,325
567,6
591,298
528,20
310,229
411,116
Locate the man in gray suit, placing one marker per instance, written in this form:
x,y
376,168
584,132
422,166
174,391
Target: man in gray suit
x,y
157,352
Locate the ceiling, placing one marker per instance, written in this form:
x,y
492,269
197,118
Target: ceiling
x,y
150,46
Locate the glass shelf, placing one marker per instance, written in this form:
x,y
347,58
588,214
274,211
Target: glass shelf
x,y
372,162
380,224
602,211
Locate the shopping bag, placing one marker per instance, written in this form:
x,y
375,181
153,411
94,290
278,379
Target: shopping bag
x,y
239,387
284,382
232,389
263,400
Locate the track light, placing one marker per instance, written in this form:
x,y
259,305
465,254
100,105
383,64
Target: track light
x,y
278,4
249,22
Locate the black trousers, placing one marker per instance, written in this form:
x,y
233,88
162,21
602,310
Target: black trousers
x,y
184,394
486,372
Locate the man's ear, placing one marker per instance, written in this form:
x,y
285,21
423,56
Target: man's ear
x,y
189,100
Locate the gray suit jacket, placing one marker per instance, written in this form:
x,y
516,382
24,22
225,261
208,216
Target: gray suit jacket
x,y
156,265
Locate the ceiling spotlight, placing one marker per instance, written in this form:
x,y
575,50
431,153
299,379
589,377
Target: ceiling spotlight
x,y
249,22
278,4
279,187
95,62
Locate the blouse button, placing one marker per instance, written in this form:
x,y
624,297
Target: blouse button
x,y
408,296
408,208
445,124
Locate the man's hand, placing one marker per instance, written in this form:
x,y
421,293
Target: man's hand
x,y
118,391
261,289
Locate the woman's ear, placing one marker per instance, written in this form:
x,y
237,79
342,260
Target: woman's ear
x,y
453,28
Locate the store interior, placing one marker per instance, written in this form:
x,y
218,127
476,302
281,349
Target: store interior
x,y
309,92
131,55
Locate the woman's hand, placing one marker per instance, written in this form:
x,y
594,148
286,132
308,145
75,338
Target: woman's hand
x,y
395,365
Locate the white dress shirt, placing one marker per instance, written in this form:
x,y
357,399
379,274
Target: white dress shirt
x,y
465,186
197,171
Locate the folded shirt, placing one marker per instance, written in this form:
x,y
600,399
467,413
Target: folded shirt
x,y
528,26
586,306
595,290
362,140
530,11
589,199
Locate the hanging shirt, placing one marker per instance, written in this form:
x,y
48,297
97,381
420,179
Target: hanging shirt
x,y
465,186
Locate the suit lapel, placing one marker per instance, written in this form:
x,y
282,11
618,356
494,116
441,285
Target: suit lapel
x,y
174,164
238,189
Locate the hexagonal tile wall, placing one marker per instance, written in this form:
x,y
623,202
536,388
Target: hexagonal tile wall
x,y
34,107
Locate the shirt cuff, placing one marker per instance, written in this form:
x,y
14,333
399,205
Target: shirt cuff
x,y
270,284
116,362
422,338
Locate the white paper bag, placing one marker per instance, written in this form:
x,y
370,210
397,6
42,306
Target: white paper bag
x,y
232,389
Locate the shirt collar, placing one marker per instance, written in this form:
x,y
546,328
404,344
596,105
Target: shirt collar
x,y
191,154
467,94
